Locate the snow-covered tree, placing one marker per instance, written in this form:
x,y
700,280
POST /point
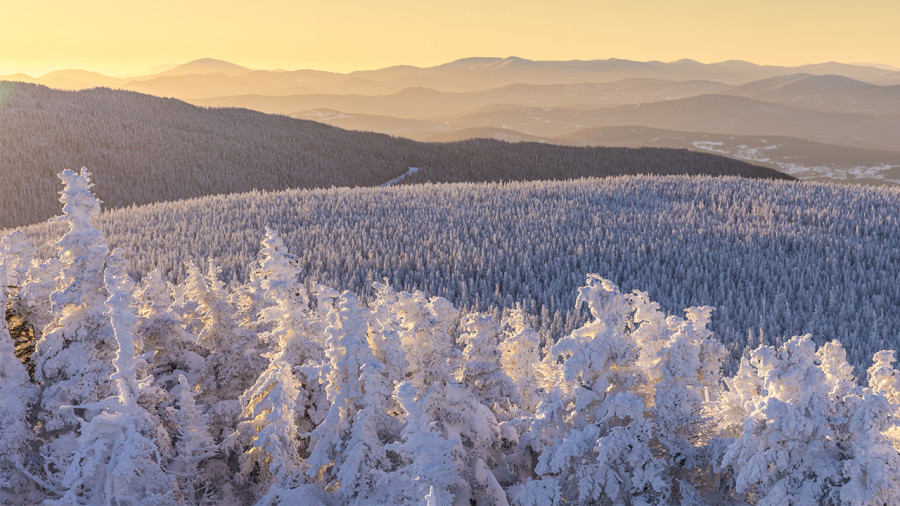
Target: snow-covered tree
x,y
482,371
293,326
688,371
427,466
789,446
73,359
116,460
521,359
186,298
193,448
267,436
432,358
596,442
347,455
24,326
872,474
234,360
287,399
173,349
19,254
17,394
883,378
32,302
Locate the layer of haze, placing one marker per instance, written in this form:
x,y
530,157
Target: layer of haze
x,y
116,37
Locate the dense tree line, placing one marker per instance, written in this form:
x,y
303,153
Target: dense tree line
x,y
775,259
284,391
147,149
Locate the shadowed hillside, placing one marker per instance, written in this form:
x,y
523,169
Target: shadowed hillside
x,y
146,149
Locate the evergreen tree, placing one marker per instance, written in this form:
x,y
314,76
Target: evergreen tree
x,y
193,450
73,359
116,460
17,394
482,371
597,440
521,359
346,454
234,361
426,457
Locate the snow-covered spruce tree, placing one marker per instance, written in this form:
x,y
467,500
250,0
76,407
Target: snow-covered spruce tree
x,y
193,448
384,337
266,438
432,359
682,366
810,433
173,350
884,379
19,254
347,456
274,276
482,372
295,330
116,461
186,299
595,443
33,298
234,360
426,457
521,359
165,351
73,359
871,427
16,395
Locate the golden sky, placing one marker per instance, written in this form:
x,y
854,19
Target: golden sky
x,y
124,36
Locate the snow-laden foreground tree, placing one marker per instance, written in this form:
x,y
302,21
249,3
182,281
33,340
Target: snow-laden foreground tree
x,y
282,391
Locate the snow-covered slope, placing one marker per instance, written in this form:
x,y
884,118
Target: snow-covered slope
x,y
284,391
781,258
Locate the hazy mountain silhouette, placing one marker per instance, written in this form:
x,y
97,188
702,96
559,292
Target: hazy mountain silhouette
x,y
495,72
415,129
431,104
146,149
824,93
725,114
548,101
798,157
500,134
205,66
474,74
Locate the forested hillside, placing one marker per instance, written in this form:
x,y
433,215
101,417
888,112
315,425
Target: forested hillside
x,y
146,149
774,258
284,391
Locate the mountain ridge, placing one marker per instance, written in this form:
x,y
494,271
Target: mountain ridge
x,y
148,149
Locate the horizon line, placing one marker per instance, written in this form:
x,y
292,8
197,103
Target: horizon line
x,y
155,69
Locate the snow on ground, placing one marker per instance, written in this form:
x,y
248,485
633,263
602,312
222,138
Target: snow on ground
x,y
760,154
411,171
712,146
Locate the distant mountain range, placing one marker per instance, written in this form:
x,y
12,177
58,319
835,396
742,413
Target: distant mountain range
x,y
147,149
851,112
468,74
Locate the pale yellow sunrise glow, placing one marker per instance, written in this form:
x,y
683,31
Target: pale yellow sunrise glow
x,y
118,37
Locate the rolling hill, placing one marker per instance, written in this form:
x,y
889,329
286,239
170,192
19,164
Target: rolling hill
x,y
721,114
773,257
830,93
831,106
148,149
800,158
